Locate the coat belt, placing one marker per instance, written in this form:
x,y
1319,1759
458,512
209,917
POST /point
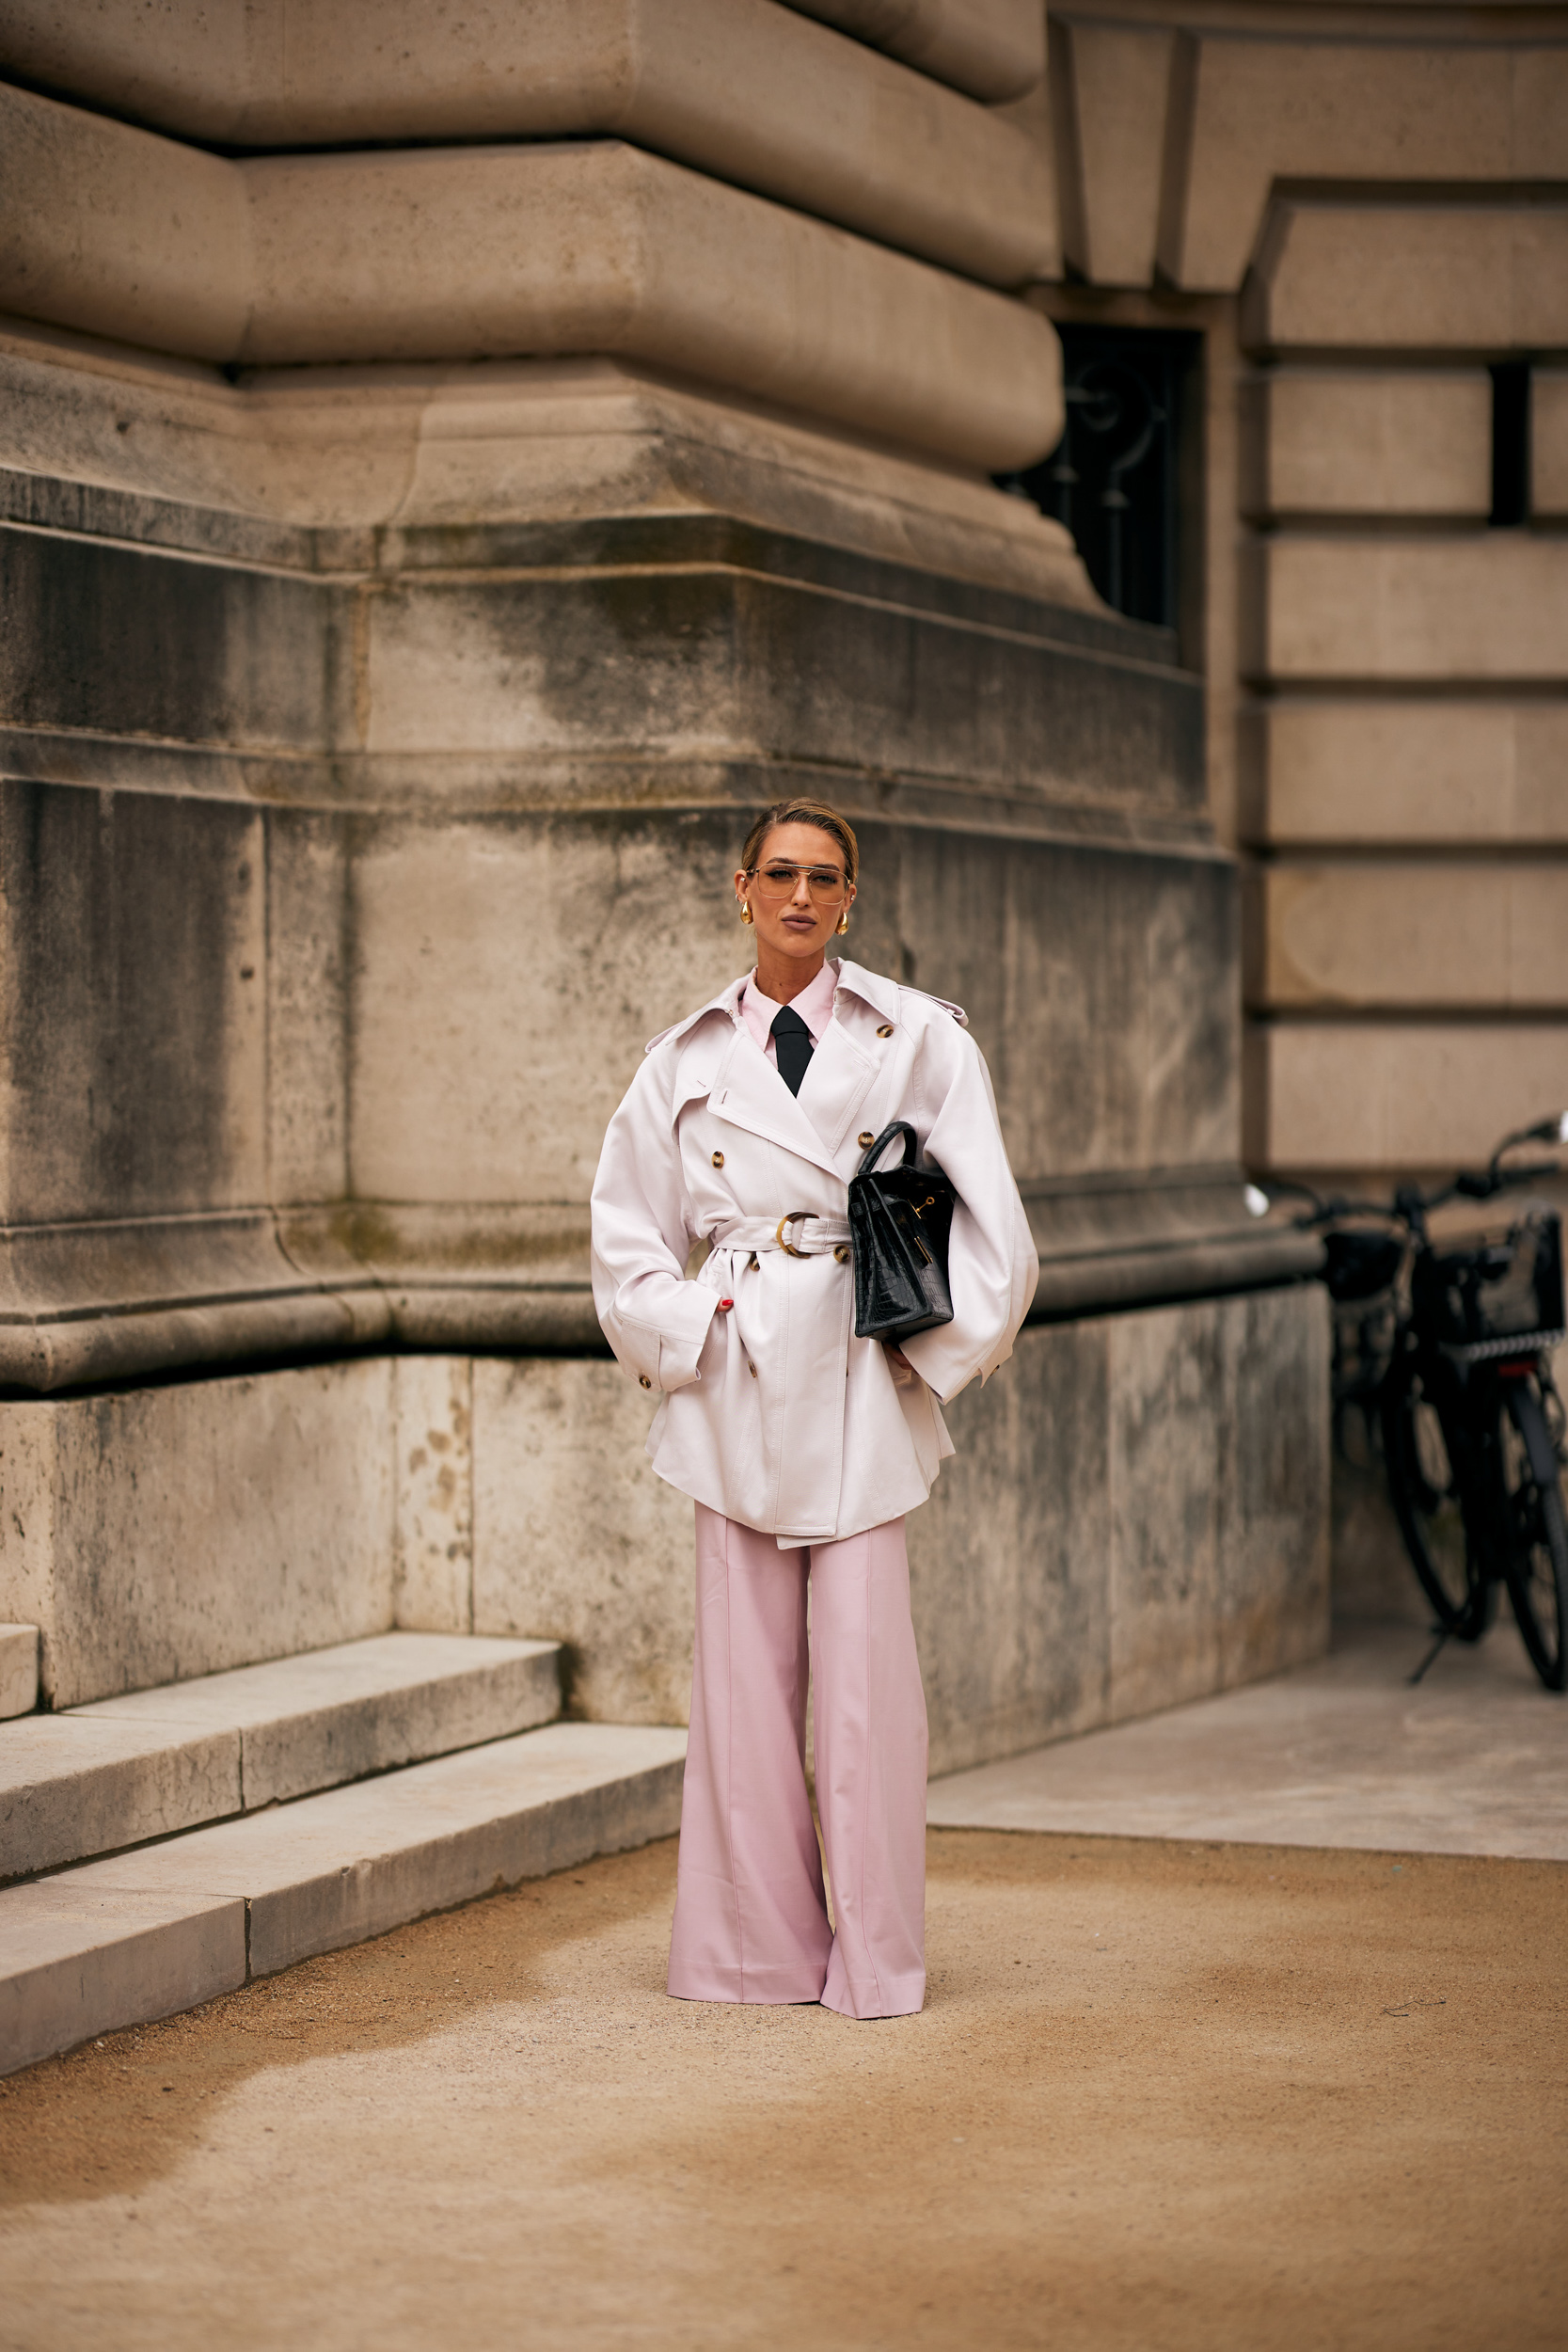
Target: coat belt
x,y
803,1233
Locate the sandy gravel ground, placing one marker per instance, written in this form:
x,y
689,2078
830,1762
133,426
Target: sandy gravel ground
x,y
1162,2097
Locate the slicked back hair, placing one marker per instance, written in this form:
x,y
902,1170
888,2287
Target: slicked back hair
x,y
802,812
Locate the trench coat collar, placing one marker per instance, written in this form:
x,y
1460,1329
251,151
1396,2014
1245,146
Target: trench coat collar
x,y
870,987
745,1088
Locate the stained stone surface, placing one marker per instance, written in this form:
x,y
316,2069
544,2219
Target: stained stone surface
x,y
576,1541
353,1862
341,929
154,1534
79,1959
19,1669
1011,1559
341,1714
71,1786
1137,1514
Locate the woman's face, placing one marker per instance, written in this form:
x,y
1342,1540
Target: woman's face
x,y
792,917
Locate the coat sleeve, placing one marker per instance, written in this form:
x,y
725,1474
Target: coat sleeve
x,y
992,1266
653,1317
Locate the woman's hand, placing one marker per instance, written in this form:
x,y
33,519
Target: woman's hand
x,y
899,1364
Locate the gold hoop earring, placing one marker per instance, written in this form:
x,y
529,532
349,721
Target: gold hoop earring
x,y
746,915
843,923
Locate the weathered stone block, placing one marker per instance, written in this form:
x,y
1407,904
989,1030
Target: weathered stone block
x,y
1403,770
1137,1514
1390,934
79,1959
19,1670
340,1714
1391,1094
432,1452
576,1541
129,640
161,1533
1272,1554
336,1868
1115,80
71,1786
1252,112
993,48
1010,1561
1164,1396
120,1771
737,87
1093,982
323,468
473,251
310,1001
135,1073
1335,275
1369,442
739,644
1419,608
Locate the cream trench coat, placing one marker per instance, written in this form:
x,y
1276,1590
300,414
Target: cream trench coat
x,y
774,1413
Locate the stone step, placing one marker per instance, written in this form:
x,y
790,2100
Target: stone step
x,y
118,1942
116,1773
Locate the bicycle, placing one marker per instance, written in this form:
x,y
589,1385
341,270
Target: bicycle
x,y
1445,1350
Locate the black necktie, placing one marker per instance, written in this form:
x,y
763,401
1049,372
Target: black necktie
x,y
792,1043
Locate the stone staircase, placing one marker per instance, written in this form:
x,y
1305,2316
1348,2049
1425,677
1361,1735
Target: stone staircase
x,y
165,1845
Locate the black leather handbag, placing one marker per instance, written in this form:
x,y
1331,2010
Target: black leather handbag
x,y
899,1224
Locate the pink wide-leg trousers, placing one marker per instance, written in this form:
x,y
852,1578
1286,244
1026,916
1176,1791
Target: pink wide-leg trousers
x,y
751,1917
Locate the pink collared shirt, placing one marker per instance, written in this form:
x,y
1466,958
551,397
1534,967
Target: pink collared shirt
x,y
815,1005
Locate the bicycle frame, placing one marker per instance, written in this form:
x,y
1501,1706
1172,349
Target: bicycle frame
x,y
1460,1397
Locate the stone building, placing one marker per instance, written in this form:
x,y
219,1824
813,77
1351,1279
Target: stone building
x,y
458,464
1362,213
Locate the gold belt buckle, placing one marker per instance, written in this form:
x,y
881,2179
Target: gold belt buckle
x,y
796,1216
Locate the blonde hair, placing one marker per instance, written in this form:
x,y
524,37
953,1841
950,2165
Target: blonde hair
x,y
802,811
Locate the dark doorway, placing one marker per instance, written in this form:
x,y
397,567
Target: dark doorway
x,y
1113,477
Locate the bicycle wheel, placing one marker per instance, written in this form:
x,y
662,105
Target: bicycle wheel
x,y
1538,1532
1425,1492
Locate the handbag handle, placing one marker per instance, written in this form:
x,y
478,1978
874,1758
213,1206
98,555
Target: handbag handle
x,y
898,1127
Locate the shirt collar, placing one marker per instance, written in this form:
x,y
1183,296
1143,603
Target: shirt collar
x,y
815,1005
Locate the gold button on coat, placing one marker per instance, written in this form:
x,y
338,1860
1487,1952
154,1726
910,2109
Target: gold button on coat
x,y
842,1253
866,1140
884,1028
719,1159
643,1381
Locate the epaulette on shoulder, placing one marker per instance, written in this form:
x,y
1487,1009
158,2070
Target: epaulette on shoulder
x,y
943,1003
679,1029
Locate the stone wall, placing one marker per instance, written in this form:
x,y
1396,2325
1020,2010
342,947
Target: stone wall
x,y
1361,210
1137,1514
448,481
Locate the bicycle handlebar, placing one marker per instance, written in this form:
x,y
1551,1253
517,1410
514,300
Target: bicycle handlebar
x,y
1410,1205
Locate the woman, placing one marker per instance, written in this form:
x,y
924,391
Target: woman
x,y
801,1446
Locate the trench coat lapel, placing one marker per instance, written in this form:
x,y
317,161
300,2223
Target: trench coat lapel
x,y
836,1084
748,1092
